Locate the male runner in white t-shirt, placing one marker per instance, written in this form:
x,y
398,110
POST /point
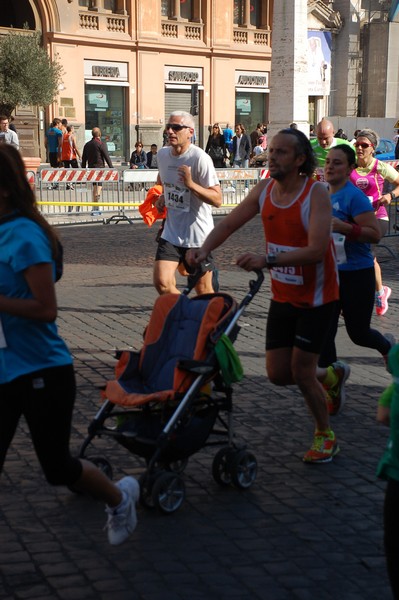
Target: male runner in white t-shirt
x,y
190,190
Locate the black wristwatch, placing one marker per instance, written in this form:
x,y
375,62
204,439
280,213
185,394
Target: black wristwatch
x,y
271,260
393,197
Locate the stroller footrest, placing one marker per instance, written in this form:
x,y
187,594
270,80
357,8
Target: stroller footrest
x,y
196,366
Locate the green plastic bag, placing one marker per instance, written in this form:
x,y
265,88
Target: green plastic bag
x,y
228,359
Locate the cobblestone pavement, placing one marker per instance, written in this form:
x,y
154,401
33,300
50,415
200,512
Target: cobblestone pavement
x,y
302,532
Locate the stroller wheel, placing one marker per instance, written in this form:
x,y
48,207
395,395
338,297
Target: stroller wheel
x,y
103,464
168,492
221,466
244,468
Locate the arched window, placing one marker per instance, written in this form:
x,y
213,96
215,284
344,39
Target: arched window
x,y
16,16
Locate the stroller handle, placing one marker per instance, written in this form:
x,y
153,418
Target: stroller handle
x,y
254,284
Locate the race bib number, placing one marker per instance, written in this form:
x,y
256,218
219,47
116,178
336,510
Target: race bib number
x,y
289,275
339,243
177,197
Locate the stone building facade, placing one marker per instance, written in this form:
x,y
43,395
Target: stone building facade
x,y
129,63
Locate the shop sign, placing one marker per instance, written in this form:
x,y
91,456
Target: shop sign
x,y
105,70
252,79
183,75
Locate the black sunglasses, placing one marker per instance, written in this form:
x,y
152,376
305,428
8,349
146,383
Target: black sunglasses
x,y
176,127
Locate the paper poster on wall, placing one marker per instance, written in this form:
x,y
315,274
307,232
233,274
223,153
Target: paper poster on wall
x,y
243,105
99,99
319,63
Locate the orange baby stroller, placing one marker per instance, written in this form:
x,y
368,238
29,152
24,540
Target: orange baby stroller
x,y
169,399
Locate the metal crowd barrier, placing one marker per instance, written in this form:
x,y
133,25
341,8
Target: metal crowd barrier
x,y
31,176
69,192
236,183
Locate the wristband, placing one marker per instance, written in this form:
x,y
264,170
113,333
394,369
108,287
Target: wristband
x,y
356,232
393,197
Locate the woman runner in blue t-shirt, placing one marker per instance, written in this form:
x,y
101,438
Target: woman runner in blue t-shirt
x,y
355,223
36,373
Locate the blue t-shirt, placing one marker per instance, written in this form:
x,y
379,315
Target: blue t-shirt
x,y
31,345
228,138
347,203
53,136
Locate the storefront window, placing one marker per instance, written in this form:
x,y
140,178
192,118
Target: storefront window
x,y
105,108
251,108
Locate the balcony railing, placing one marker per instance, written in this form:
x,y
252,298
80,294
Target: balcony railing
x,y
259,37
93,21
182,30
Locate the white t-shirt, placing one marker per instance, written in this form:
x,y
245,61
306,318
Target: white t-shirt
x,y
189,220
238,142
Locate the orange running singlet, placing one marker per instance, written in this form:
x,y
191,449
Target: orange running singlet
x,y
286,229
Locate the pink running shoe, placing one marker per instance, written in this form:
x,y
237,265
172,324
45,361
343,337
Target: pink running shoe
x,y
381,302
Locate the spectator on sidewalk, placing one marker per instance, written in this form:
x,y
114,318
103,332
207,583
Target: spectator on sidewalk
x,y
138,158
216,147
69,150
7,135
69,155
255,134
37,379
241,150
95,155
228,136
296,214
64,125
152,157
11,124
53,143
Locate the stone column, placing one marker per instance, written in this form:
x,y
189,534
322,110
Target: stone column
x,y
289,68
345,72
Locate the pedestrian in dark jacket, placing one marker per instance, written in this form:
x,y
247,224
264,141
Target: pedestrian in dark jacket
x,y
95,155
242,148
216,147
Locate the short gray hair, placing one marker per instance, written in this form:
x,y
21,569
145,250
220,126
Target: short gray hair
x,y
371,135
188,119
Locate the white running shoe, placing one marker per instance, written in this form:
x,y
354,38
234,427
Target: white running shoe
x,y
122,520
